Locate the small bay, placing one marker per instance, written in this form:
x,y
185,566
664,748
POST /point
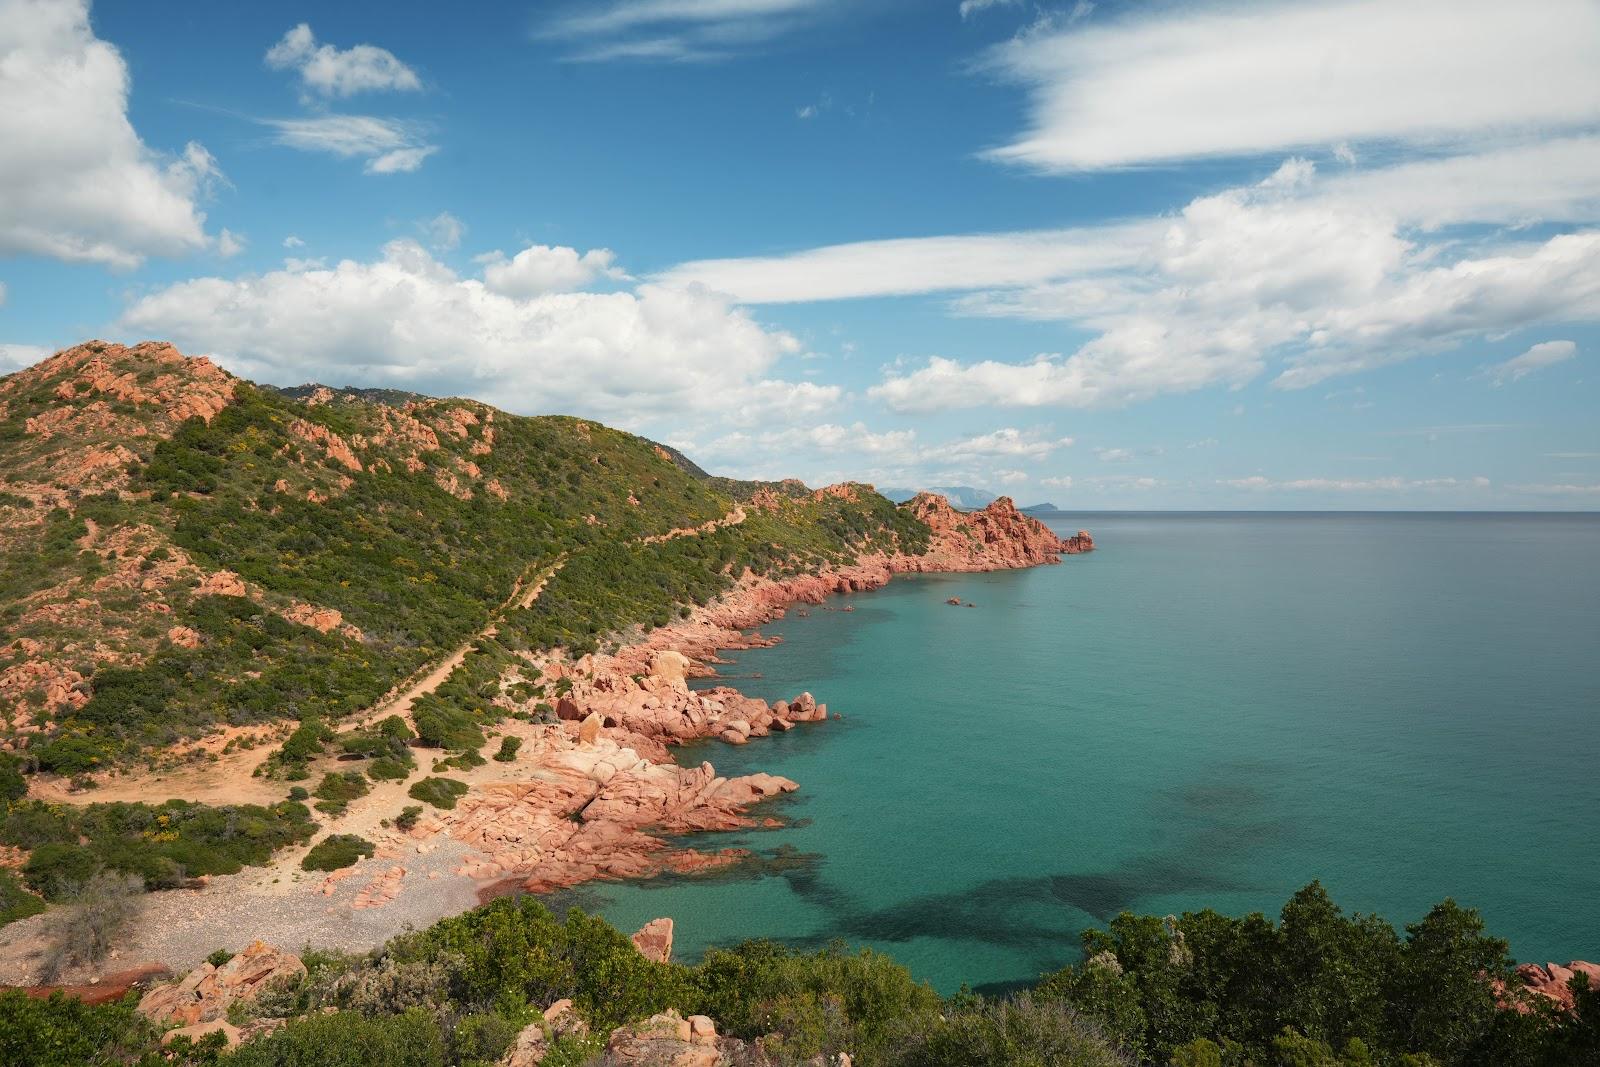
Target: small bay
x,y
1209,711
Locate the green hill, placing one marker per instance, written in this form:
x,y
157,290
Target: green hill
x,y
368,533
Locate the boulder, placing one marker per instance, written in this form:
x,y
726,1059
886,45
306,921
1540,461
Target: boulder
x,y
197,1031
207,992
589,729
533,1043
567,708
669,666
661,1040
654,940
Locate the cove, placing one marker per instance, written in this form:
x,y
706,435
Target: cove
x,y
1208,711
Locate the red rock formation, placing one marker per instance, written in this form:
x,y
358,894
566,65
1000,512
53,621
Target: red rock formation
x,y
222,583
1551,980
654,940
995,538
336,447
208,991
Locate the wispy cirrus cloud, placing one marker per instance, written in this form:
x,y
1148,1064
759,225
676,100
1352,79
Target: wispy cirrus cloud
x,y
1215,80
387,146
1393,484
1542,355
675,30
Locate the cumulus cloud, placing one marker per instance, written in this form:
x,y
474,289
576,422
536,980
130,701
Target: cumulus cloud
x,y
1189,83
1540,356
407,320
545,269
1284,272
292,241
76,181
229,244
328,71
388,146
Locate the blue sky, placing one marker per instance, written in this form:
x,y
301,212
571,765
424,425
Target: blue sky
x,y
1181,255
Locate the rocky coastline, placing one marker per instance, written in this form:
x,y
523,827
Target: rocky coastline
x,y
595,795
607,787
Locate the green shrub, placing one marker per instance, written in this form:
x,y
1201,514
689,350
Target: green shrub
x,y
390,769
408,817
337,851
15,901
440,792
508,748
347,1039
519,949
337,790
62,1031
1005,1033
55,871
162,844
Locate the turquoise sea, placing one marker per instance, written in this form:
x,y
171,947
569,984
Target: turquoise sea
x,y
1211,710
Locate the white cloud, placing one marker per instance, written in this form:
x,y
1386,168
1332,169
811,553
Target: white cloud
x,y
807,112
1354,485
16,357
1188,83
676,30
969,8
407,320
1060,482
444,232
389,146
327,70
229,244
921,264
1540,356
1321,282
831,451
3,294
292,241
545,269
76,181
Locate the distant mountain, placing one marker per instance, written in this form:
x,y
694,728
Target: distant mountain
x,y
1039,509
961,496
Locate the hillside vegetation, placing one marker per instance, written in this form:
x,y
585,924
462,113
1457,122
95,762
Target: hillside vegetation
x,y
1316,988
181,550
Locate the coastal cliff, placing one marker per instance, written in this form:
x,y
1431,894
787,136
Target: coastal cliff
x,y
221,589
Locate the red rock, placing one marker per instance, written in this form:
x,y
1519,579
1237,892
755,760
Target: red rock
x,y
198,1031
206,993
654,940
222,583
1551,980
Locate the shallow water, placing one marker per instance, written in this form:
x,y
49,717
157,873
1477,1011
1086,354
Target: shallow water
x,y
1211,710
